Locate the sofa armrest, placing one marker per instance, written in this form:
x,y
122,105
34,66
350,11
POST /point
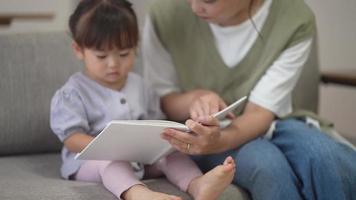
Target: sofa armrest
x,y
340,77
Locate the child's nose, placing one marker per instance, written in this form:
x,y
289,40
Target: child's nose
x,y
114,62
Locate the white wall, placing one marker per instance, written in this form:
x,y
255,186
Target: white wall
x,y
336,22
60,8
141,7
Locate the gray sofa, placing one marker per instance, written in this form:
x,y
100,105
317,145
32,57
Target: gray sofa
x,y
32,67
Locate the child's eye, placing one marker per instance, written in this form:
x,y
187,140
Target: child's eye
x,y
101,56
124,54
209,1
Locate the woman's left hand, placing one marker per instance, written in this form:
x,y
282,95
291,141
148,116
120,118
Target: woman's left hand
x,y
203,137
206,104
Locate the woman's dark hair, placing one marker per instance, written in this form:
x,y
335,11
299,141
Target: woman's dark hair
x,y
104,24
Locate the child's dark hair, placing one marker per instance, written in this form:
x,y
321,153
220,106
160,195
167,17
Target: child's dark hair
x,y
104,24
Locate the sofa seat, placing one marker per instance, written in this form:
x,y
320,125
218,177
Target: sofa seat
x,y
37,177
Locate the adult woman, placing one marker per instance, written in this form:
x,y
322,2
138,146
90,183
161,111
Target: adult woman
x,y
202,54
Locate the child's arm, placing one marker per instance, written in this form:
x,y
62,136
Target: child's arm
x,y
68,119
77,142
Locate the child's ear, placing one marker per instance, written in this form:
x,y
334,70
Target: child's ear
x,y
78,51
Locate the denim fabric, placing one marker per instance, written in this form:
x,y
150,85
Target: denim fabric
x,y
298,162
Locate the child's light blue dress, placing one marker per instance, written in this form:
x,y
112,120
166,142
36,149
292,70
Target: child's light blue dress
x,y
83,105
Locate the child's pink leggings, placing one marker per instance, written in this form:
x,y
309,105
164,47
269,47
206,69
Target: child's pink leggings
x,y
118,176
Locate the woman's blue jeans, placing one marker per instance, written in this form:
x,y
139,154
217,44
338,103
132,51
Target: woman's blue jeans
x,y
299,162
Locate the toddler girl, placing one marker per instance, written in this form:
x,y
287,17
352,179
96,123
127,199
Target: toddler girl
x,y
105,36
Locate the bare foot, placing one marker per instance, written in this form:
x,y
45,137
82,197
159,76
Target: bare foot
x,y
141,192
213,183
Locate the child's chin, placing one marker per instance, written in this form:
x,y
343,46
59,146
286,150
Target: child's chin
x,y
116,81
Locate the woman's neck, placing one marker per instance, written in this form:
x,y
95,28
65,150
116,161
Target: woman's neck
x,y
250,9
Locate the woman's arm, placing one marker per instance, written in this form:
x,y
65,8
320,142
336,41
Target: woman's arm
x,y
77,142
253,123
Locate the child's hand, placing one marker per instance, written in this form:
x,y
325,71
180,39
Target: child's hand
x,y
206,105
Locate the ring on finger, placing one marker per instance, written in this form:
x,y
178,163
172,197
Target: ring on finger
x,y
188,147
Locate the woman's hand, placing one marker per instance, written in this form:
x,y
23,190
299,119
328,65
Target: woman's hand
x,y
207,104
203,137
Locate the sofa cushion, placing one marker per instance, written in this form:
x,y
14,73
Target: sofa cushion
x,y
32,67
37,177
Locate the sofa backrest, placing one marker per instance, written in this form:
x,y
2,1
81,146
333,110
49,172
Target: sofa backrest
x,y
32,67
306,91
